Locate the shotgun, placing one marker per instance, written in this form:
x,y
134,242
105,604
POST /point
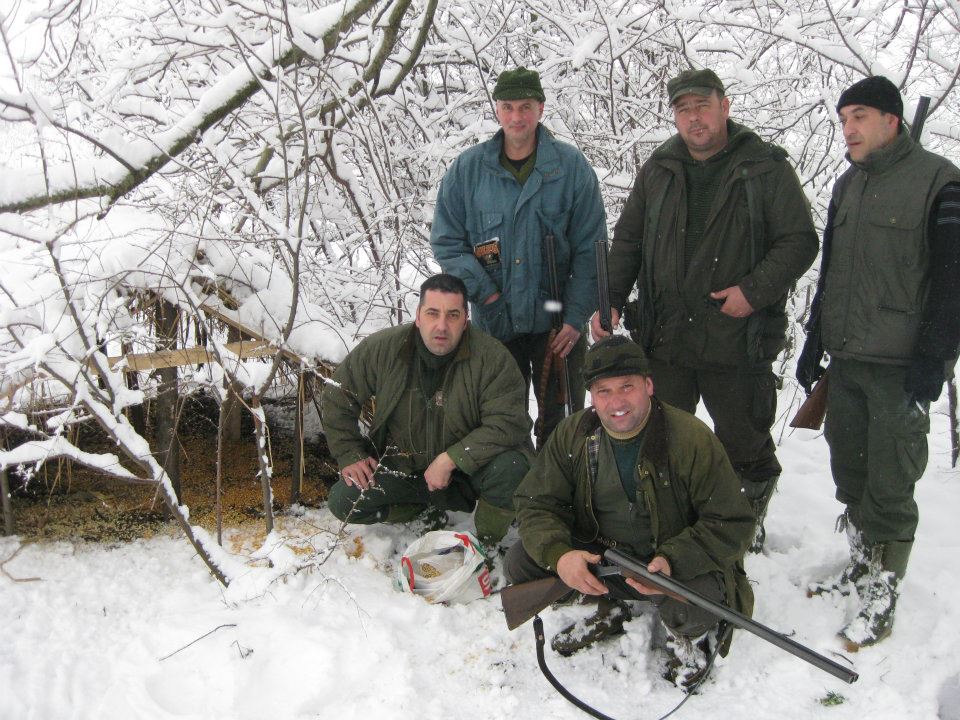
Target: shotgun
x,y
618,563
603,285
814,408
556,310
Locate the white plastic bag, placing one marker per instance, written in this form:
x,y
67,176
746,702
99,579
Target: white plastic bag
x,y
445,567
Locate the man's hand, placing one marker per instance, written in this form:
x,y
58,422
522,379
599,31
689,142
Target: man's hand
x,y
492,299
598,332
439,472
360,473
658,565
734,302
565,340
572,569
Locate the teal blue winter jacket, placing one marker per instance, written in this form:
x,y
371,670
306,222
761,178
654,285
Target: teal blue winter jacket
x,y
480,202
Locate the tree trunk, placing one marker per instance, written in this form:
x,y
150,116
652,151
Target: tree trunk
x,y
168,447
296,467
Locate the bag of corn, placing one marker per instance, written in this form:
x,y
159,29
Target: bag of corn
x,y
445,567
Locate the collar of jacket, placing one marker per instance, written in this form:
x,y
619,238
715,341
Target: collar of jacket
x,y
879,161
548,159
655,442
409,347
743,145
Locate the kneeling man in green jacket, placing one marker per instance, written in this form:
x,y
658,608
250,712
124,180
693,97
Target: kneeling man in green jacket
x,y
450,429
633,473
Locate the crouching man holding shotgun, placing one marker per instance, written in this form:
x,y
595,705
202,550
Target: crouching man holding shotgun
x,y
635,474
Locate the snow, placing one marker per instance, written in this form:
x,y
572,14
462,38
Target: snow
x,y
102,634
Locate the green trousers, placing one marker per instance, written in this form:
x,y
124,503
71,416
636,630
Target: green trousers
x,y
878,447
742,405
495,484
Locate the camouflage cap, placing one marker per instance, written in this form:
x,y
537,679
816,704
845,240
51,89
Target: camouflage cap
x,y
519,84
697,82
614,356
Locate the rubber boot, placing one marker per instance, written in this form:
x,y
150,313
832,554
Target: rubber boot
x,y
492,523
854,570
878,589
759,494
606,622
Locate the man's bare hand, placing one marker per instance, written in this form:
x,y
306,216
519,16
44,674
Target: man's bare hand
x,y
565,340
439,473
734,302
360,473
572,567
492,299
658,565
598,332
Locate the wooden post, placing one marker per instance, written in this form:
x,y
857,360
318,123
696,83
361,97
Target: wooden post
x,y
7,505
296,467
167,322
135,412
954,429
263,459
232,408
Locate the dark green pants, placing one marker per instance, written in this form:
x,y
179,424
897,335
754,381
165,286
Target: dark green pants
x,y
495,483
743,406
878,447
529,352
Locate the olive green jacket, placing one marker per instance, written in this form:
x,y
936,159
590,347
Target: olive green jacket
x,y
759,235
875,291
483,398
701,521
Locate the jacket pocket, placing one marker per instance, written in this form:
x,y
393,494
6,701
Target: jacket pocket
x,y
494,319
485,231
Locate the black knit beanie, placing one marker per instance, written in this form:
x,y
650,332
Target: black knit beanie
x,y
876,92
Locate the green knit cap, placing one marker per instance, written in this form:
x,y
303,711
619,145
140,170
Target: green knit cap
x,y
614,356
519,84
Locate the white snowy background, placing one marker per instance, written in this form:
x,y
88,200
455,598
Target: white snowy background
x,y
285,156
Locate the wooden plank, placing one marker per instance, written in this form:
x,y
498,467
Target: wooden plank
x,y
137,362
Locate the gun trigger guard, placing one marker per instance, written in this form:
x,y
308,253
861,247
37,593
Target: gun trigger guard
x,y
608,570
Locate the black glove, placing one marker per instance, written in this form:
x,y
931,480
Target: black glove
x,y
809,369
925,378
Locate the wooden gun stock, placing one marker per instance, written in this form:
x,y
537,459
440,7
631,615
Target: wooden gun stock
x,y
525,601
814,408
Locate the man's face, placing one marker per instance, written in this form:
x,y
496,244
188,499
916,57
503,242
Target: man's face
x,y
622,403
866,129
442,319
701,121
519,119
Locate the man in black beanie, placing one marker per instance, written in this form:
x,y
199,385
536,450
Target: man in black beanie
x,y
887,310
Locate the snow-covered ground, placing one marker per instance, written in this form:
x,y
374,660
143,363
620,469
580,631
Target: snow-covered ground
x,y
95,636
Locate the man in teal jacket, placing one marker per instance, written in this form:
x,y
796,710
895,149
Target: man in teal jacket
x,y
496,204
449,429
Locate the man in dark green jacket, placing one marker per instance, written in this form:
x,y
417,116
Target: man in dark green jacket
x,y
887,310
635,474
449,430
714,234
